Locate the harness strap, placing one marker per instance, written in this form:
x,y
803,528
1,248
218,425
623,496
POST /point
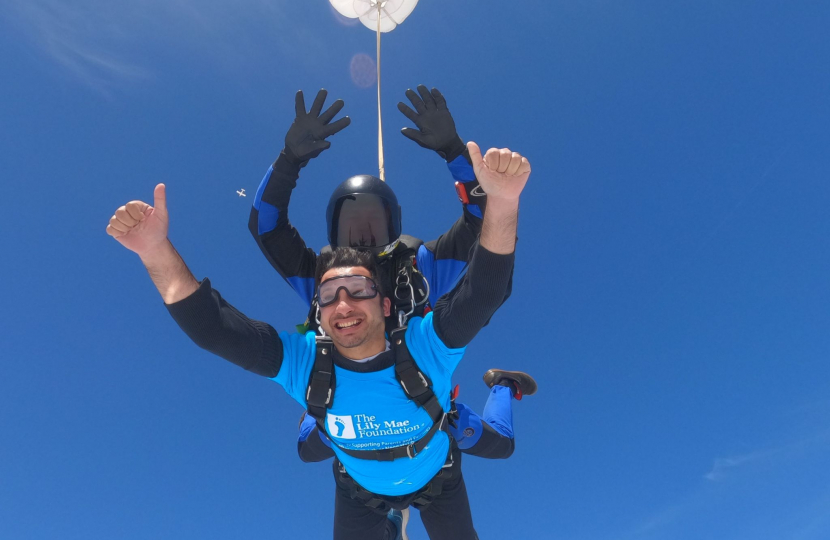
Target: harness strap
x,y
382,504
391,454
416,386
320,393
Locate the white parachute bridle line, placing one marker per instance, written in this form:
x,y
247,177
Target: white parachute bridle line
x,y
390,13
382,171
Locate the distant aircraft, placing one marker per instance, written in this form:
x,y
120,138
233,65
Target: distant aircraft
x,y
241,192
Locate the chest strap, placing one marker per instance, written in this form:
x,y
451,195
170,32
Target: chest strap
x,y
416,386
391,454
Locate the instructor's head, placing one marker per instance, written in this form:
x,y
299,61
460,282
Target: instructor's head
x,y
363,212
352,301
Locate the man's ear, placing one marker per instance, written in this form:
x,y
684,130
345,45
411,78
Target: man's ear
x,y
386,304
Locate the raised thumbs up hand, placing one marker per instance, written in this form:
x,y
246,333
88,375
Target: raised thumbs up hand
x,y
140,227
502,174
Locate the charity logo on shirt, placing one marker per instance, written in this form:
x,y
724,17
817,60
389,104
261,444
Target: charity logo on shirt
x,y
365,426
341,427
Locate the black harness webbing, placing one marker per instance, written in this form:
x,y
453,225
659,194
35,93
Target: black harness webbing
x,y
422,498
320,393
416,386
414,383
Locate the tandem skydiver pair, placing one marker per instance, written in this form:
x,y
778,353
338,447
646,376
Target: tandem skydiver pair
x,y
363,212
362,362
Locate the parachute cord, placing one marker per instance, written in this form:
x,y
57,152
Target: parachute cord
x,y
380,125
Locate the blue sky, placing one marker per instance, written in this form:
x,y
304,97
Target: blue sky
x,y
671,292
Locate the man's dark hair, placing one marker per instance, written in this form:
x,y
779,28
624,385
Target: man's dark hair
x,y
346,256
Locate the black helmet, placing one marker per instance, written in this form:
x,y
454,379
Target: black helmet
x,y
364,212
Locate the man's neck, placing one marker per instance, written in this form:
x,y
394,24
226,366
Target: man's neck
x,y
364,352
368,358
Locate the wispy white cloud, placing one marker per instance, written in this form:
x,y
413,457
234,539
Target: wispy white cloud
x,y
769,466
106,45
79,40
722,465
662,518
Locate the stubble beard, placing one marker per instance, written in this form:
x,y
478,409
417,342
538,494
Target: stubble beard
x,y
351,342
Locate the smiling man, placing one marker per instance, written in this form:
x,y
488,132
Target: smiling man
x,y
357,332
384,402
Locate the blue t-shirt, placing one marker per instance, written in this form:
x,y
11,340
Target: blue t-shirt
x,y
371,411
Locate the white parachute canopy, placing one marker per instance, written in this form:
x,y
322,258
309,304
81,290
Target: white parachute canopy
x,y
392,12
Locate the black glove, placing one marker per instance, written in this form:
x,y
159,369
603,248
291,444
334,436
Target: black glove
x,y
305,139
436,128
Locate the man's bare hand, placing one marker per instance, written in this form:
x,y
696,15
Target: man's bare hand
x,y
501,173
140,227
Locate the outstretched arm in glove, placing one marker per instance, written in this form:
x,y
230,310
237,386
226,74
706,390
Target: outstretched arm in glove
x,y
444,260
279,241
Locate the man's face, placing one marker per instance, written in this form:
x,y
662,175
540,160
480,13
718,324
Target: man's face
x,y
357,327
